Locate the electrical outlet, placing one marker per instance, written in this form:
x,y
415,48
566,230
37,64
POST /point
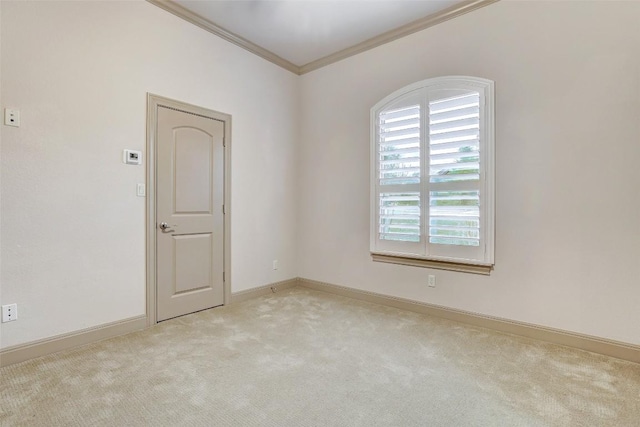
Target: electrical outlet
x,y
9,312
12,117
432,281
275,264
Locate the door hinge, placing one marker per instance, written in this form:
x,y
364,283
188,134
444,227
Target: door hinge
x,y
224,142
223,212
223,278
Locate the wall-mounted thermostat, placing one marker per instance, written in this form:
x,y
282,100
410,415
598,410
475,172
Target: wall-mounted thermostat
x,y
132,157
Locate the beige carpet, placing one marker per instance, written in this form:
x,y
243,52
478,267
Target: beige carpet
x,y
306,358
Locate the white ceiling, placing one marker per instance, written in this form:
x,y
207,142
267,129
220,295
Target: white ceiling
x,y
302,31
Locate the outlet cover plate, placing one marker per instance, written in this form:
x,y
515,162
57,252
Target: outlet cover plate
x,y
9,313
12,117
432,281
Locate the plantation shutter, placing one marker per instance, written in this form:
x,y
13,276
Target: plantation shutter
x,y
454,170
399,174
432,172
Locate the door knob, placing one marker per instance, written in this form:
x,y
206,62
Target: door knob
x,y
164,226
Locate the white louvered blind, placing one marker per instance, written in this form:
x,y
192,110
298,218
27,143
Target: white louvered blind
x,y
454,170
399,174
432,172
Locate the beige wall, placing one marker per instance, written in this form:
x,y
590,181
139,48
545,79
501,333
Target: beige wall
x,y
73,230
568,142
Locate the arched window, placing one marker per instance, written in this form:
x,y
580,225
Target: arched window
x,y
432,175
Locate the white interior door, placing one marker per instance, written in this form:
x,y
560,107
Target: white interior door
x,y
189,212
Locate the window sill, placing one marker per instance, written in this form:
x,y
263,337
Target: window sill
x,y
429,263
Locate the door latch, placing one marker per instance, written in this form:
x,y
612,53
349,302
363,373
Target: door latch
x,y
165,227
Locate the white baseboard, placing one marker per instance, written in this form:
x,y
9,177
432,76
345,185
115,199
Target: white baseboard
x,y
620,350
31,350
593,344
263,290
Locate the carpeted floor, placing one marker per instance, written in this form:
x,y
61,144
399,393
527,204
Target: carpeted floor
x,y
307,358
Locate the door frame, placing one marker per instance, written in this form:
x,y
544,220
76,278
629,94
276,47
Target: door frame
x,y
153,103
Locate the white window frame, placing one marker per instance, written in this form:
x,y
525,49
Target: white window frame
x,y
457,258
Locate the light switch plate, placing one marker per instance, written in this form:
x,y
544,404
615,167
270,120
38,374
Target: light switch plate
x,y
140,190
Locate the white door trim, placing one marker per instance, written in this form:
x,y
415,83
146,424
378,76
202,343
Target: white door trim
x,y
153,102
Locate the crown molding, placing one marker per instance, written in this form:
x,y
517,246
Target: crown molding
x,y
403,31
389,36
209,26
